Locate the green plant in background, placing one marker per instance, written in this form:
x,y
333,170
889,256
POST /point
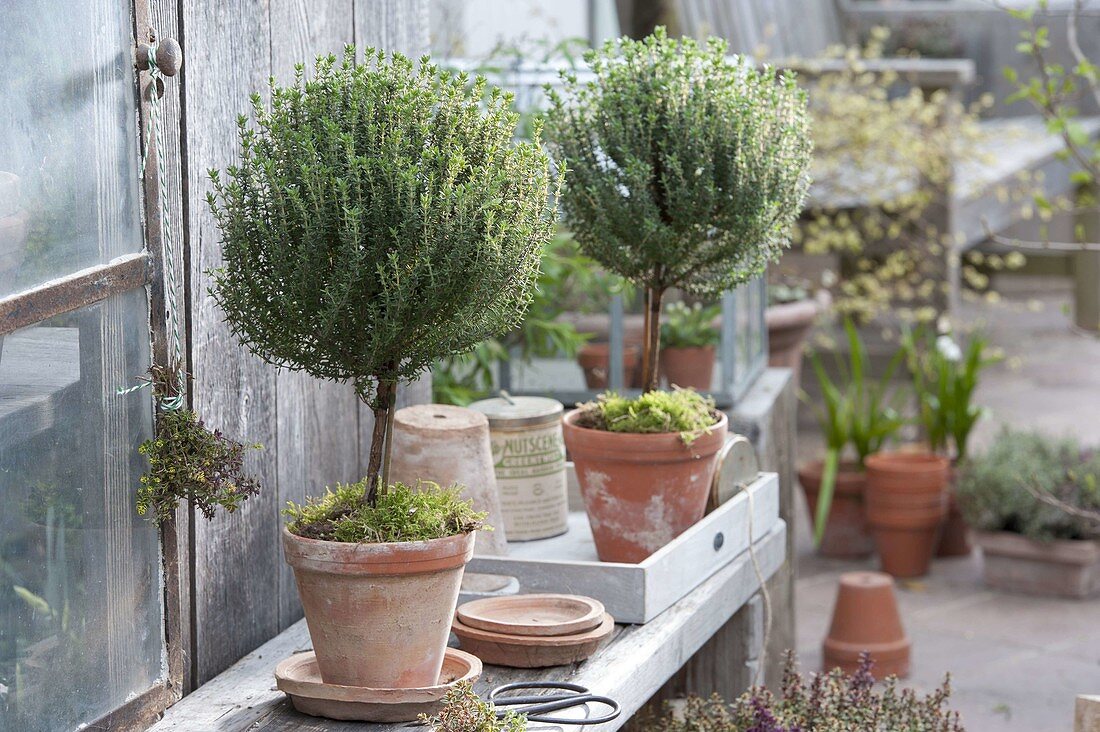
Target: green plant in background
x,y
689,326
464,711
856,411
1030,484
402,513
568,281
189,462
884,151
827,702
945,376
680,410
382,217
686,167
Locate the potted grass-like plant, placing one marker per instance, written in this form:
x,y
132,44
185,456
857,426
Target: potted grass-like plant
x,y
857,415
686,169
381,217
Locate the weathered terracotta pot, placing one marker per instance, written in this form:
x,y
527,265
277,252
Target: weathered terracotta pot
x,y
866,618
789,325
1061,568
641,491
688,367
906,501
450,446
379,615
595,360
846,533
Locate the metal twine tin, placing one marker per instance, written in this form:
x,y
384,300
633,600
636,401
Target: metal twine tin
x,y
529,462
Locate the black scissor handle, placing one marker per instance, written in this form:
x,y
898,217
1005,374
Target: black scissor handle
x,y
535,707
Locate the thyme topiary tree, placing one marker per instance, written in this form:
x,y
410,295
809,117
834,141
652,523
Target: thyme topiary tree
x,y
686,167
381,217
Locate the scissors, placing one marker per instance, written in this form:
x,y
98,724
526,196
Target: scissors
x,y
536,706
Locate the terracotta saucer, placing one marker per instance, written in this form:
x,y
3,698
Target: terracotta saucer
x,y
300,679
531,651
533,615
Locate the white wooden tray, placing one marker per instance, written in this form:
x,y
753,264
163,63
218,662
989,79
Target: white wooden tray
x,y
636,593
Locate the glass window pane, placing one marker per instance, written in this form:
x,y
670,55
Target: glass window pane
x,y
80,586
68,145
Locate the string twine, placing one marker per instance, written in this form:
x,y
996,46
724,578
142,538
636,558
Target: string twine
x,y
155,136
762,582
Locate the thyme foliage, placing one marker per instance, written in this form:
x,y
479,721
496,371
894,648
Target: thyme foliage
x,y
464,711
681,410
686,167
381,217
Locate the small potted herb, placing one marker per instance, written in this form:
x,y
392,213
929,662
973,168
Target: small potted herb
x,y
686,170
381,217
1034,502
857,416
688,338
945,377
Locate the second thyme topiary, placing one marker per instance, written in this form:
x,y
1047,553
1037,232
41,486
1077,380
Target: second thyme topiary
x,y
686,167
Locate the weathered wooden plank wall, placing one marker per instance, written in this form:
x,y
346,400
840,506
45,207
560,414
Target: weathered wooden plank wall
x,y
312,432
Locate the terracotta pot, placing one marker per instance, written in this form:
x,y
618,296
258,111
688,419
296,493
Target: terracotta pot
x,y
450,446
1062,568
846,533
866,618
789,325
641,491
379,615
906,501
688,367
595,359
955,537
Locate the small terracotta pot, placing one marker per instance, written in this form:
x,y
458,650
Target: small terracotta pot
x,y
906,501
450,445
688,367
955,540
379,615
789,325
595,360
641,491
846,533
866,618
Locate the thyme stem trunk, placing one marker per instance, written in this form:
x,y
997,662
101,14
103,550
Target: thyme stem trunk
x,y
650,372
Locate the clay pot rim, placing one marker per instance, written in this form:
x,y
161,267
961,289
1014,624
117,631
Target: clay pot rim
x,y
657,439
391,558
603,349
850,478
687,349
907,462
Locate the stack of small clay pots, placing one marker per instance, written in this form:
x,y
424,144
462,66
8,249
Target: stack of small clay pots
x,y
906,503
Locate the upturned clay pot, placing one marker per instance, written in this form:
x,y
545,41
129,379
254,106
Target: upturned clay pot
x,y
688,367
379,615
866,618
906,500
595,360
1060,568
641,491
846,533
955,538
451,446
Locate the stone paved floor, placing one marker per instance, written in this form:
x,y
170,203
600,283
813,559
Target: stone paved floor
x,y
1017,662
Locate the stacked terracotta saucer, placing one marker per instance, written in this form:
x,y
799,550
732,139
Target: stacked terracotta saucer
x,y
300,679
532,631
